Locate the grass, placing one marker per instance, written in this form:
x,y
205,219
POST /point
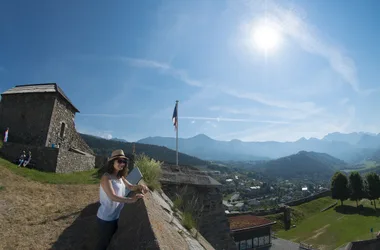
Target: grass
x,y
228,196
151,171
332,228
188,221
86,177
178,203
40,215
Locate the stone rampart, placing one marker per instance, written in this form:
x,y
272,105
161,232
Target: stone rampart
x,y
309,198
45,158
202,193
74,162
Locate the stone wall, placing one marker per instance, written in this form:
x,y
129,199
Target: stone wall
x,y
64,113
208,212
69,161
27,116
44,158
309,198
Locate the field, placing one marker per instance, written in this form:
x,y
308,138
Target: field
x,y
37,215
332,228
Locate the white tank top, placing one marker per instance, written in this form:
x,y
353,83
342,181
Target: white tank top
x,y
110,210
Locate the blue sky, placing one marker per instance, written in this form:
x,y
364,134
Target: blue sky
x,y
124,63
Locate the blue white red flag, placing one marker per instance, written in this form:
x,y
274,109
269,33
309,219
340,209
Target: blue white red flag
x,y
175,118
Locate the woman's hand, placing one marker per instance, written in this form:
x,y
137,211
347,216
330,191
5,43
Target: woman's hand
x,y
143,188
138,196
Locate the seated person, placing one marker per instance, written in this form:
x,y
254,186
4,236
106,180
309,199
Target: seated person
x,y
28,159
22,158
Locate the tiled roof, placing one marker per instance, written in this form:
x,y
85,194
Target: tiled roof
x,y
373,244
39,88
239,222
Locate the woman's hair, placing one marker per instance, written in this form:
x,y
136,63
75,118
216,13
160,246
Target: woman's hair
x,y
110,169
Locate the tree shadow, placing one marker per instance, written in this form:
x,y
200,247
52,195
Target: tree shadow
x,y
366,211
80,234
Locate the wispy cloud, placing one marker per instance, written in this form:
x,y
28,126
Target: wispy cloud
x,y
222,119
165,68
192,118
314,127
110,115
292,22
309,107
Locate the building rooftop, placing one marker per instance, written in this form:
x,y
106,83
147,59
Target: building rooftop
x,y
247,221
39,88
373,244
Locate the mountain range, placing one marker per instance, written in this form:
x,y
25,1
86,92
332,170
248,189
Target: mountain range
x,y
352,148
104,147
310,165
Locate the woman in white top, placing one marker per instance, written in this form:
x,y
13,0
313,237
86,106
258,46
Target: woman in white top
x,y
112,196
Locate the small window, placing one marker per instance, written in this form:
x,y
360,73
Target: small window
x,y
62,132
249,244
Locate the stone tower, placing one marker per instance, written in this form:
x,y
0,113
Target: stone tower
x,y
40,118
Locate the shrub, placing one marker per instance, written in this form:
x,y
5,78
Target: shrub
x,y
178,203
150,169
188,221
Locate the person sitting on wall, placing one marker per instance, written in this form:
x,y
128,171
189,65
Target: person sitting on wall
x,y
112,196
22,159
28,159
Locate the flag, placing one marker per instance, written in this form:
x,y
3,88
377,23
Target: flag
x,y
6,135
175,118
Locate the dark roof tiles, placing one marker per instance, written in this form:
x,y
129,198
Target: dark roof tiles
x,y
246,221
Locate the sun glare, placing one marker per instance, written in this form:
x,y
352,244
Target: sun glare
x,y
265,37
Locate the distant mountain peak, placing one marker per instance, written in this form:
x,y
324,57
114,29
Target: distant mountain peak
x,y
201,136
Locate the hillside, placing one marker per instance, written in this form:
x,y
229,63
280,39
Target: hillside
x,y
352,148
35,215
304,164
332,228
105,147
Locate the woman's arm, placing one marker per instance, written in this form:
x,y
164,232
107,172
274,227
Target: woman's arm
x,y
129,185
141,187
108,189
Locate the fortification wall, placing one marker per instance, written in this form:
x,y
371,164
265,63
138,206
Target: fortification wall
x,y
27,116
309,198
68,162
44,158
63,113
208,212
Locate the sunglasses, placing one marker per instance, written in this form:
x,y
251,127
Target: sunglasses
x,y
120,161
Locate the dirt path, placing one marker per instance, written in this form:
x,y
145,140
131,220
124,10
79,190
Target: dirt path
x,y
38,216
318,232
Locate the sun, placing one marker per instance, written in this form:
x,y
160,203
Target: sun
x,y
266,37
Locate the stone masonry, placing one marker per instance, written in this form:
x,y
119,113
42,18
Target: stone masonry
x,y
203,194
39,116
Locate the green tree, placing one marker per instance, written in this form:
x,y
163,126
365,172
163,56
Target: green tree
x,y
339,187
373,187
356,187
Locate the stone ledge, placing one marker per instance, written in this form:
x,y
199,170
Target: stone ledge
x,y
151,224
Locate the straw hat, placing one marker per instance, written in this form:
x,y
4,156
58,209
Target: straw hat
x,y
116,154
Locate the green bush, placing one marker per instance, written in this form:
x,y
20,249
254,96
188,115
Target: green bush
x,y
178,203
188,221
150,169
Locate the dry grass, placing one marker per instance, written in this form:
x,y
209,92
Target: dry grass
x,y
42,216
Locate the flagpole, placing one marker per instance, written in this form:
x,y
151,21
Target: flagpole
x,y
176,139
